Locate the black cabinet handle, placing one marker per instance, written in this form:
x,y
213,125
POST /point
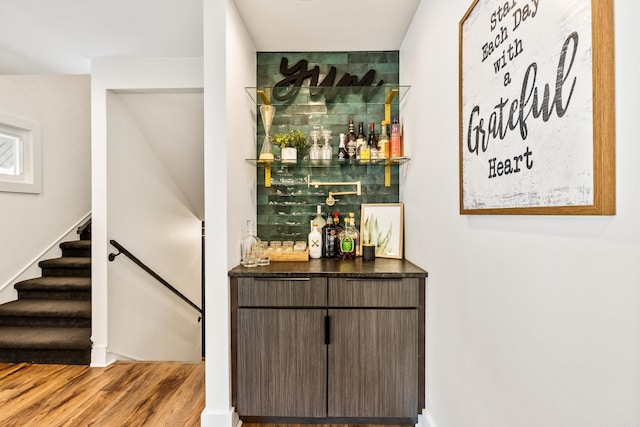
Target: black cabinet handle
x,y
327,330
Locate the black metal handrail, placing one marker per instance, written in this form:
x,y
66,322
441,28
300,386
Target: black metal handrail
x,y
122,250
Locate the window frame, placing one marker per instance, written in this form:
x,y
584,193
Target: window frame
x,y
30,136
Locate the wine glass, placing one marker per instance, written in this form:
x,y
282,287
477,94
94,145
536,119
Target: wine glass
x,y
326,152
314,151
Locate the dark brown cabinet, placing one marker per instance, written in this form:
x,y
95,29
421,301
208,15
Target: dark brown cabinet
x,y
340,349
282,363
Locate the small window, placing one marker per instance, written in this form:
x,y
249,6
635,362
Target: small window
x,y
20,155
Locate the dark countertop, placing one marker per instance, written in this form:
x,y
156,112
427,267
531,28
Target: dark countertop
x,y
380,268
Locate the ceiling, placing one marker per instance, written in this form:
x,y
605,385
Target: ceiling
x,y
327,25
63,36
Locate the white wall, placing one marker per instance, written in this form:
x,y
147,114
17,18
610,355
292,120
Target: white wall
x,y
229,187
150,216
113,74
533,321
30,223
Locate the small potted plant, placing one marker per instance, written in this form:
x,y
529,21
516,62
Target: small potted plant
x,y
290,143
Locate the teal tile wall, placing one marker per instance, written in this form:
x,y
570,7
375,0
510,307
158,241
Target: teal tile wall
x,y
286,208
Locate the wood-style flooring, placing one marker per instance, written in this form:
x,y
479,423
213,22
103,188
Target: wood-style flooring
x,y
123,394
311,425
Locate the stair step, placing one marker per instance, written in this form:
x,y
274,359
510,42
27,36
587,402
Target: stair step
x,y
76,248
45,345
53,287
46,313
66,266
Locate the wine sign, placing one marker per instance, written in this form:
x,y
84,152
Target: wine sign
x,y
536,108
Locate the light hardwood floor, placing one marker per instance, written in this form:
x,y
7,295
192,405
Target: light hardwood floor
x,y
311,425
123,394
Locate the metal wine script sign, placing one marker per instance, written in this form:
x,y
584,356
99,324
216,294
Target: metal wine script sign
x,y
299,72
527,93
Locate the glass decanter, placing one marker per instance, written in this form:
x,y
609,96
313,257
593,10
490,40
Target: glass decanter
x,y
249,246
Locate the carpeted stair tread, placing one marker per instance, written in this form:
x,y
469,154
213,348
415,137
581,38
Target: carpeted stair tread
x,y
17,337
50,322
46,308
66,262
78,248
76,244
55,283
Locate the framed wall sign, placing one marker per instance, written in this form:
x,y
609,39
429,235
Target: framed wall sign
x,y
536,108
382,225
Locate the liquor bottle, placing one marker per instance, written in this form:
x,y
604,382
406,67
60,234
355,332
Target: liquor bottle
x,y
351,142
319,219
362,149
395,149
249,246
373,141
342,148
347,241
330,237
315,242
383,142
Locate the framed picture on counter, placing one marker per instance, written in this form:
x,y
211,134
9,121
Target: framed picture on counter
x,y
537,119
382,225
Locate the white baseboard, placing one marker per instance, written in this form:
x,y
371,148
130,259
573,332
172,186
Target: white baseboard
x,y
425,420
216,419
100,357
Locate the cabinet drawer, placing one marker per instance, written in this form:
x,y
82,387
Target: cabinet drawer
x,y
282,292
374,292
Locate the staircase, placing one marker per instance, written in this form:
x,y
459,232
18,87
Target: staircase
x,y
50,322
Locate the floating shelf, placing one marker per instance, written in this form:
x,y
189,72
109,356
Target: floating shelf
x,y
268,164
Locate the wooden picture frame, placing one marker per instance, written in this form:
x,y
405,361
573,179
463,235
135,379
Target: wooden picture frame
x,y
382,224
537,108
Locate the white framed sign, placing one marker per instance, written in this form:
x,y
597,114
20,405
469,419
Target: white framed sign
x,y
537,107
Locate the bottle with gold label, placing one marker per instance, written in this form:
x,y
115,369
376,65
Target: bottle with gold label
x,y
383,142
362,149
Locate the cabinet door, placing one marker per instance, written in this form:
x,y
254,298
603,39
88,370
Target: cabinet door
x,y
373,363
282,364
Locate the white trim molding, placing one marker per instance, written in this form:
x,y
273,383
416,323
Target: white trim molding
x,y
27,153
216,419
425,420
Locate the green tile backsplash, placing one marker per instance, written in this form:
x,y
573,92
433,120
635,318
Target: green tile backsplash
x,y
286,208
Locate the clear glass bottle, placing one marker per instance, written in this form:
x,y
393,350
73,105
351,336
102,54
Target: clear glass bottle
x,y
249,246
383,142
319,218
